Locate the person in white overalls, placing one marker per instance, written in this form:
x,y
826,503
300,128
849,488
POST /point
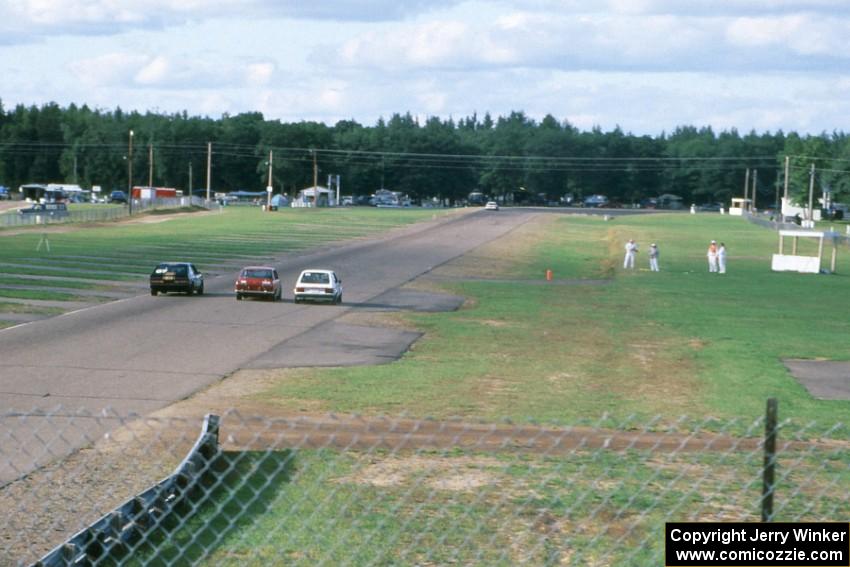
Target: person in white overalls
x,y
631,251
721,259
712,256
653,257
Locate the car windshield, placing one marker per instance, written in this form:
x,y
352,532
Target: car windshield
x,y
254,273
315,278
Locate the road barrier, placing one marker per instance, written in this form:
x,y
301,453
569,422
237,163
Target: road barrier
x,y
113,535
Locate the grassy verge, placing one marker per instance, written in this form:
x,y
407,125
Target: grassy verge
x,y
444,508
126,250
681,341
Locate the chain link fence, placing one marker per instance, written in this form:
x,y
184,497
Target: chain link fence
x,y
101,214
350,490
767,221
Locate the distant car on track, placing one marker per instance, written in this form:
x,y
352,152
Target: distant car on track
x,y
258,281
318,285
177,276
491,206
118,197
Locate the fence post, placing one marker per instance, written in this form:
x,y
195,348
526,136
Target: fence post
x,y
769,472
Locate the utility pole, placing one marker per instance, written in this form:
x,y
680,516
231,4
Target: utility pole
x,y
269,187
190,181
75,168
209,168
776,205
787,171
315,179
130,175
755,184
746,186
811,192
150,166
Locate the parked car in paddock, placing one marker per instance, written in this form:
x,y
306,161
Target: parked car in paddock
x,y
491,206
258,281
318,285
177,276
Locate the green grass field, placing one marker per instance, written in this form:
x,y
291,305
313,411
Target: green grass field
x,y
610,348
681,341
125,251
678,342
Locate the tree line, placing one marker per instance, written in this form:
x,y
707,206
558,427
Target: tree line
x,y
511,155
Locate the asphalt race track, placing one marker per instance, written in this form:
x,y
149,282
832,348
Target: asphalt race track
x,y
75,374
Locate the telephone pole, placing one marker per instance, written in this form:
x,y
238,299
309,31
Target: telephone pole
x,y
787,171
811,192
746,186
209,168
150,165
755,184
315,179
130,175
269,187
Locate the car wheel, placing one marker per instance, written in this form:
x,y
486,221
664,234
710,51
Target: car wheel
x,y
238,297
201,290
154,292
190,290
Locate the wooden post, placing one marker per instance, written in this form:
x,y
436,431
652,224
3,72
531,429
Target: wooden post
x,y
781,244
794,246
834,256
820,252
769,473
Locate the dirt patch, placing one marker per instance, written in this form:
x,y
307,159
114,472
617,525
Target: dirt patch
x,y
455,474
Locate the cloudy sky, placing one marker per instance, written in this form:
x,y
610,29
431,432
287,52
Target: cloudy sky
x,y
645,65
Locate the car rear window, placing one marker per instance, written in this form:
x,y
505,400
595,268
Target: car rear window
x,y
315,277
178,270
267,274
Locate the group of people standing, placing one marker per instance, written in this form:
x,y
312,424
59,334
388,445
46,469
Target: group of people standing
x,y
631,253
716,257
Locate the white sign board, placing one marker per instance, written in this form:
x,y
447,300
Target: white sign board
x,y
789,263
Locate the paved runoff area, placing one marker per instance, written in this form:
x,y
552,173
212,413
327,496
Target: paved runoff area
x,y
824,379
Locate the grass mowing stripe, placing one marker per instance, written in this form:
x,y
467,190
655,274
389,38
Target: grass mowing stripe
x,y
678,342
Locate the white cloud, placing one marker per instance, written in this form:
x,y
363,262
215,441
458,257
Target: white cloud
x,y
112,17
168,72
155,72
803,34
108,69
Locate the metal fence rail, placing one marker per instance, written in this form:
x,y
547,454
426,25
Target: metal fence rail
x,y
101,214
766,222
349,490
